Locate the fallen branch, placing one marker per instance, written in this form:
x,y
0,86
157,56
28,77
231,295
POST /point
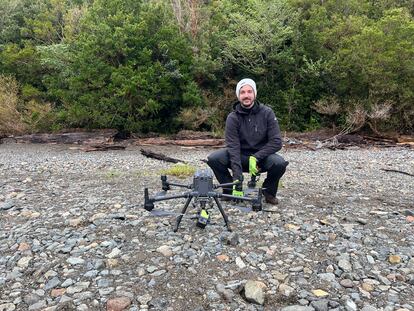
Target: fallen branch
x,y
182,142
104,148
397,171
160,156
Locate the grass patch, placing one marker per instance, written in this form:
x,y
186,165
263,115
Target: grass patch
x,y
112,174
179,170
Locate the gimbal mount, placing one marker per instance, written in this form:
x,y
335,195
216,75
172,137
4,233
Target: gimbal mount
x,y
203,191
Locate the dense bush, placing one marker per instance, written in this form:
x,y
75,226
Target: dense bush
x,y
161,66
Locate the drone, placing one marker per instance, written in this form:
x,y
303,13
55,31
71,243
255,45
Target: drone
x,y
203,191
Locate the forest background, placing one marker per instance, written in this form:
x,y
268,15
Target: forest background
x,y
143,66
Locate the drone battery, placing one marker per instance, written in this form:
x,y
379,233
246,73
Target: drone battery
x,y
203,218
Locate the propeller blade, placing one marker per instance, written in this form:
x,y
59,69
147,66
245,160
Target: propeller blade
x,y
250,191
160,194
243,209
160,213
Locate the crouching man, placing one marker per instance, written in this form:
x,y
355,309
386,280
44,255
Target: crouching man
x,y
252,138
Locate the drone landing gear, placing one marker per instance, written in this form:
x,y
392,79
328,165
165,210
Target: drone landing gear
x,y
202,222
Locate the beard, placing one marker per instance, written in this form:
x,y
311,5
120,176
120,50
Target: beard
x,y
247,103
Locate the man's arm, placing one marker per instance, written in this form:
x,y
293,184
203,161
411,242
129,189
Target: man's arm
x,y
274,143
233,144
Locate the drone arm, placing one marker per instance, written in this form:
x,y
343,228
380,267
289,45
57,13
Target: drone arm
x,y
227,184
170,197
179,185
236,197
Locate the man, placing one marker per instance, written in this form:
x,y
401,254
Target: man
x,y
252,139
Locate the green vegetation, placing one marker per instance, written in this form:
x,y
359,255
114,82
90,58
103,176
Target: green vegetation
x,y
160,66
113,174
179,170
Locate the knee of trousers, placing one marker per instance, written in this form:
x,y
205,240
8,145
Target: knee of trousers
x,y
277,169
217,159
213,161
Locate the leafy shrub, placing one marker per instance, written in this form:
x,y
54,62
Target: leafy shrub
x,y
10,117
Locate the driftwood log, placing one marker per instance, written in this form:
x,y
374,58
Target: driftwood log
x,y
103,148
211,142
160,156
81,138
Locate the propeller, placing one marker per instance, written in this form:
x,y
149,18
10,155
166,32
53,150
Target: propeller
x,y
160,194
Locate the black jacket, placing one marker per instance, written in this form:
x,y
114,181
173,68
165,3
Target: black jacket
x,y
254,132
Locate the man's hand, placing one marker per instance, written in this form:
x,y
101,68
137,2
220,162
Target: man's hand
x,y
237,193
238,189
253,170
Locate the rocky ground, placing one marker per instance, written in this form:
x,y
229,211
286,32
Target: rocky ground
x,y
74,235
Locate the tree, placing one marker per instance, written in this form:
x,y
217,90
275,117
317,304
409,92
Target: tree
x,y
131,69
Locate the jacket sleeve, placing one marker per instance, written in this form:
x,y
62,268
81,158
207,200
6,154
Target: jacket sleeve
x,y
274,142
232,139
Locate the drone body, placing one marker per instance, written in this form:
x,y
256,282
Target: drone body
x,y
203,191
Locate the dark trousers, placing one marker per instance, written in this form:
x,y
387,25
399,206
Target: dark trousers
x,y
274,165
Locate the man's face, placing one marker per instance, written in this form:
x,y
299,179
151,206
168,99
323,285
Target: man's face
x,y
246,96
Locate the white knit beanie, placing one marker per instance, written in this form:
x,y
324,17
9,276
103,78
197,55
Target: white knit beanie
x,y
244,82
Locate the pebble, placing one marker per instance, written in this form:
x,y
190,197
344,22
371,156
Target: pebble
x,y
114,253
320,293
253,291
165,250
286,290
75,261
118,304
72,237
240,263
347,283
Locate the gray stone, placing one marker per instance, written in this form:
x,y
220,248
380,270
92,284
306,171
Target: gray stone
x,y
347,283
105,291
75,261
30,299
369,308
345,265
7,307
67,283
38,305
230,238
320,305
52,283
212,296
350,305
91,274
165,250
297,308
104,283
253,292
286,290
116,252
6,205
159,303
329,277
144,299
